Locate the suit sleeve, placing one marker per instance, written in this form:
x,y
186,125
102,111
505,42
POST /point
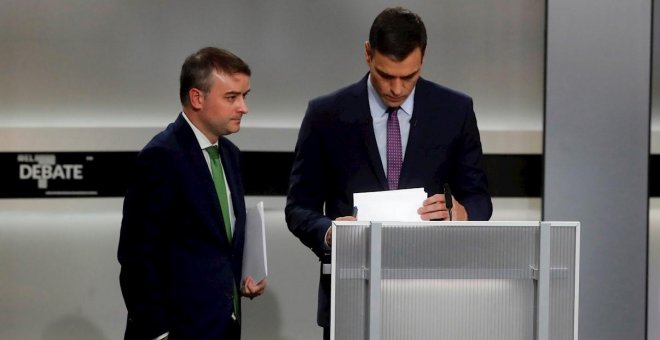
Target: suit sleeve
x,y
146,218
307,187
472,188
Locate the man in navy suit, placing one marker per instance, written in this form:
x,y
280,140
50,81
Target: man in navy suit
x,y
183,227
343,143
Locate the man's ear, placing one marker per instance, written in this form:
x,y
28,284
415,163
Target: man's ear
x,y
196,97
367,52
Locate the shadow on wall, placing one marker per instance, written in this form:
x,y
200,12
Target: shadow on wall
x,y
72,327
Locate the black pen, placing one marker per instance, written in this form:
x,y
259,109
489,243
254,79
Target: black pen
x,y
448,200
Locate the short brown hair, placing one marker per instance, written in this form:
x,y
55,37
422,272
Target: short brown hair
x,y
396,32
197,69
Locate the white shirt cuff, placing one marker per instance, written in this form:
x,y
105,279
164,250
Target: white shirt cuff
x,y
162,336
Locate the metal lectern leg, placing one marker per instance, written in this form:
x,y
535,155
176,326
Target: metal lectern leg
x,y
375,310
543,284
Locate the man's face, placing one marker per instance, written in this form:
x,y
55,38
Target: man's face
x,y
223,106
394,80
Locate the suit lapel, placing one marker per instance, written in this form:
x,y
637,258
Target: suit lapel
x,y
200,177
419,133
362,114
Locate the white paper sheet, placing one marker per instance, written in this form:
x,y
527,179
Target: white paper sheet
x,y
255,259
391,205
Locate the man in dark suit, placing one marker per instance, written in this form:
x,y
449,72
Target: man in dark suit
x,y
390,130
183,228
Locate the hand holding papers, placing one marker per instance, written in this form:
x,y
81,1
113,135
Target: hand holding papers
x,y
391,205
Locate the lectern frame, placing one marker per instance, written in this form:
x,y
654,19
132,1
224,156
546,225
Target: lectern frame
x,y
539,274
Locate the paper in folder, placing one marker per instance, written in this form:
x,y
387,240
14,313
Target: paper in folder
x,y
255,262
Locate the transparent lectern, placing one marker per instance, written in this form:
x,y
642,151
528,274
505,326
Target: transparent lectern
x,y
455,280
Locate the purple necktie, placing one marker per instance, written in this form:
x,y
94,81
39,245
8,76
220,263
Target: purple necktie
x,y
394,158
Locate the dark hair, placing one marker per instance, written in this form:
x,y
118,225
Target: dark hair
x,y
197,69
396,32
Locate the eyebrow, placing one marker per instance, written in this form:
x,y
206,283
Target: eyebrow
x,y
233,93
385,74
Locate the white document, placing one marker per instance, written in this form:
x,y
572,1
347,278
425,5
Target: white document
x,y
391,205
255,262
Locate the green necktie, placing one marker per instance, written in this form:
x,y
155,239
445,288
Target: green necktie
x,y
221,191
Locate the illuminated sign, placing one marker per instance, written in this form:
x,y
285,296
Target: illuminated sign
x,y
64,174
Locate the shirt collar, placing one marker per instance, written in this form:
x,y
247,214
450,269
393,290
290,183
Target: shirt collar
x,y
201,139
374,99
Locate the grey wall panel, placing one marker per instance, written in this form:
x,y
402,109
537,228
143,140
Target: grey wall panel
x,y
654,270
596,153
653,309
59,277
655,94
116,63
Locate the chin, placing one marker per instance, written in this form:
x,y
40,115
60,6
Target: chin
x,y
394,104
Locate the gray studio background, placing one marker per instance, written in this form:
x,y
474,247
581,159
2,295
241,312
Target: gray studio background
x,y
103,76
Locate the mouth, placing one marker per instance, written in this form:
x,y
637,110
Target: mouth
x,y
394,99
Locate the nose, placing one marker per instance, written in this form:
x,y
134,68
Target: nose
x,y
396,87
242,105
